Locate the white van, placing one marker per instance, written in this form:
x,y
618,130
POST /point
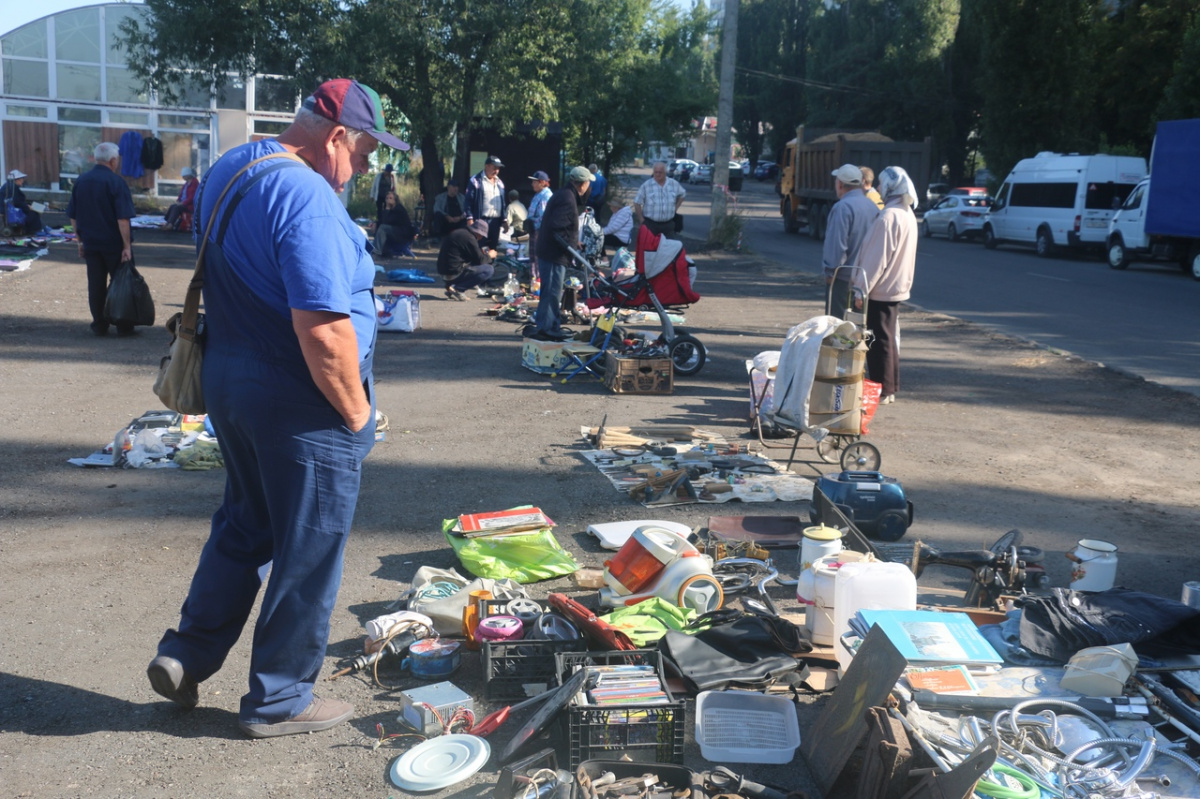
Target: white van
x,y
1061,200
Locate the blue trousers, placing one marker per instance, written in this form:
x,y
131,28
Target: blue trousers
x,y
293,480
549,315
472,276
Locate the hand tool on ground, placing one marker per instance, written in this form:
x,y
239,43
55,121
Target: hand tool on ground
x,y
722,780
493,720
396,645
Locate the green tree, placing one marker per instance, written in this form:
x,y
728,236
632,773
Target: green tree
x,y
1037,79
1181,96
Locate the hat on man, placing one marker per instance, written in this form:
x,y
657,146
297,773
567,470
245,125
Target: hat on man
x,y
387,168
849,174
540,175
479,228
350,103
16,174
513,194
580,175
187,172
493,160
452,182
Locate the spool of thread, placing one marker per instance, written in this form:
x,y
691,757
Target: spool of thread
x,y
500,628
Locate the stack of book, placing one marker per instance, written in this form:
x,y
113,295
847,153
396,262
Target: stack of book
x,y
929,637
625,685
501,522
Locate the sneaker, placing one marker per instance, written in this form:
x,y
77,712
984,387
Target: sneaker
x,y
888,400
169,681
456,295
320,715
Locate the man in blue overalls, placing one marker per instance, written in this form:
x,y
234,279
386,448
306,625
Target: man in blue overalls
x,y
287,380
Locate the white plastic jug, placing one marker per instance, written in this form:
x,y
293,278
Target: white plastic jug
x,y
816,590
875,584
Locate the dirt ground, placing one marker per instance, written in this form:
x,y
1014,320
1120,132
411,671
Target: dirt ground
x,y
987,434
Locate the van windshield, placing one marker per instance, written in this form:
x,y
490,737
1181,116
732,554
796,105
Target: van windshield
x,y
1107,196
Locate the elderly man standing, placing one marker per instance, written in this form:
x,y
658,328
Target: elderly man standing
x,y
849,221
658,200
485,198
100,209
560,229
287,381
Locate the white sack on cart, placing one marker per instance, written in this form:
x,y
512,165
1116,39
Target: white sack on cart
x,y
798,366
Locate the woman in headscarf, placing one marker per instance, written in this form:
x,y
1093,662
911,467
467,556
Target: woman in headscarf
x,y
888,258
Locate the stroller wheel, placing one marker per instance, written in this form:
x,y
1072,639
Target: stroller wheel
x,y
861,456
829,448
688,354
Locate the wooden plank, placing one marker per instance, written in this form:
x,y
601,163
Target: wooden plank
x,y
32,147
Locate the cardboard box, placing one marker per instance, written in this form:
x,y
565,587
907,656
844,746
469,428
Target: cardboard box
x,y
835,364
830,399
543,357
639,375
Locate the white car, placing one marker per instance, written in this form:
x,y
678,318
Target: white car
x,y
956,216
677,168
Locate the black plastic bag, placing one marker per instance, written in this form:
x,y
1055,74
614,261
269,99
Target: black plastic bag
x,y
129,302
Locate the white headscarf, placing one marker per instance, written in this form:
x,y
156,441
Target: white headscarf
x,y
895,182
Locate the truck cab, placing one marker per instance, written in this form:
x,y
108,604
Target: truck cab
x,y
1128,240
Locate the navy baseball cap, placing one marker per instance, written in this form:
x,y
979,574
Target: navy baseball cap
x,y
350,103
540,175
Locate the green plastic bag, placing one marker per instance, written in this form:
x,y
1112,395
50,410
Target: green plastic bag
x,y
522,558
651,619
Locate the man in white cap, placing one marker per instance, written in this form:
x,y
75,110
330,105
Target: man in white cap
x,y
559,230
849,221
13,195
185,203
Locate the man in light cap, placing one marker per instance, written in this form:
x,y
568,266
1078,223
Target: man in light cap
x,y
290,334
12,194
849,221
485,198
537,208
559,230
185,203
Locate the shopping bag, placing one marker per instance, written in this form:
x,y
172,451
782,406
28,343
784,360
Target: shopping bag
x,y
398,311
178,384
129,302
522,557
12,214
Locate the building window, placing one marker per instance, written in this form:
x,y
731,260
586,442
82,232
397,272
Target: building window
x,y
86,115
37,111
77,35
28,41
113,17
183,121
274,94
232,95
267,127
28,78
76,144
78,82
122,87
180,150
191,94
129,118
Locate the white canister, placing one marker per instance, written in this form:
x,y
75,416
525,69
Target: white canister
x,y
1095,566
818,542
817,583
860,586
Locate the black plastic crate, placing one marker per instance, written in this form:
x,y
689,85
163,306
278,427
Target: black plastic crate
x,y
644,733
514,670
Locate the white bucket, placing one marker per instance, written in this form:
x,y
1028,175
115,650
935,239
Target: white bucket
x,y
817,542
817,585
871,585
1095,566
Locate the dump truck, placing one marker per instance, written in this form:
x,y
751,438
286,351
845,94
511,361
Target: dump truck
x,y
1160,219
806,189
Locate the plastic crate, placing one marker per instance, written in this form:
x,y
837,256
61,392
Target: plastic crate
x,y
744,727
514,670
642,733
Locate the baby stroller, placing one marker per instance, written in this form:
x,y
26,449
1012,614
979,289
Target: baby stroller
x,y
662,281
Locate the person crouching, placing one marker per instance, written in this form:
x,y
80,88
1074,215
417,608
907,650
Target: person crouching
x,y
462,262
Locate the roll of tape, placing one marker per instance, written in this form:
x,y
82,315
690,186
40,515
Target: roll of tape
x,y
500,628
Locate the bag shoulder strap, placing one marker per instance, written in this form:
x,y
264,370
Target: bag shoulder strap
x,y
191,303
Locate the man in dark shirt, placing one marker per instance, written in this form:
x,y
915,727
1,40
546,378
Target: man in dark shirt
x,y
395,231
560,223
100,209
448,211
462,263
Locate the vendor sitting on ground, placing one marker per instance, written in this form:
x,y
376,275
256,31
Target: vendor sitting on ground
x,y
186,202
462,263
12,194
395,233
619,230
515,215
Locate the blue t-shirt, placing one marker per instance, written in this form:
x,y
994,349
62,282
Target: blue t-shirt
x,y
98,199
292,242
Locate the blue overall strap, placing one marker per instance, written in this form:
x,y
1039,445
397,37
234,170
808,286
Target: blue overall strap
x,y
241,193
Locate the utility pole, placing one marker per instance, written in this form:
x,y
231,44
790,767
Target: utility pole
x,y
724,114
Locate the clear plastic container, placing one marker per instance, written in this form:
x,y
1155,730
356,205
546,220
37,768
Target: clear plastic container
x,y
744,727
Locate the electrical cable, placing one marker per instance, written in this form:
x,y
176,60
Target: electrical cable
x,y
1029,788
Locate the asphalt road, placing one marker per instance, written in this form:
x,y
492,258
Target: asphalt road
x,y
1144,321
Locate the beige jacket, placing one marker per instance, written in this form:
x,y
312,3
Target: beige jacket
x,y
889,253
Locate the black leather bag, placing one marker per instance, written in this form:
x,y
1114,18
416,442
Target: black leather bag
x,y
747,652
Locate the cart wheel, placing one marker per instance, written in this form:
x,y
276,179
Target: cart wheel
x,y
829,449
688,354
861,456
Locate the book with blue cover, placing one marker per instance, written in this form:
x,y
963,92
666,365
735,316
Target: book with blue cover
x,y
929,637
